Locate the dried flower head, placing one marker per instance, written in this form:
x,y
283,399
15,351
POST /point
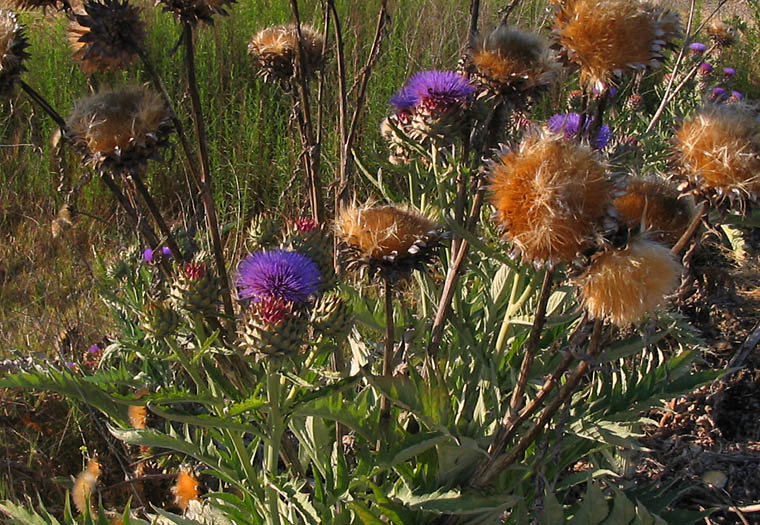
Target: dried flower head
x,y
721,33
281,274
107,37
120,129
138,416
186,488
510,59
392,240
13,46
274,51
656,206
608,37
623,285
551,196
719,151
42,5
194,11
84,484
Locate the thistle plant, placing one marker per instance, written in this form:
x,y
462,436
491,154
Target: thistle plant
x,y
369,369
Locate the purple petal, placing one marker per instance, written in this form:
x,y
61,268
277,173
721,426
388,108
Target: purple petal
x,y
282,274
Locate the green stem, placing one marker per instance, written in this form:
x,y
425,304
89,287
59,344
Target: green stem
x,y
276,425
245,460
188,366
385,403
514,305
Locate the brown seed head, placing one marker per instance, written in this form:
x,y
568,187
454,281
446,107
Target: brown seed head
x,y
508,57
721,33
658,206
42,5
138,416
550,197
719,150
108,36
194,11
623,285
274,51
84,484
185,489
121,127
608,37
13,46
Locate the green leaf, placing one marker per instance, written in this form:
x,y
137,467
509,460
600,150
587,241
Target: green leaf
x,y
454,502
412,446
25,517
206,420
364,514
552,513
623,510
358,414
594,507
338,386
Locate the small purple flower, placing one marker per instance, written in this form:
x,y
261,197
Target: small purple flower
x,y
736,95
148,255
728,72
717,92
166,251
71,365
704,69
94,349
281,274
569,125
697,47
439,89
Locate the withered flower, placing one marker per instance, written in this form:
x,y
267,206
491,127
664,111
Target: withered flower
x,y
551,197
274,51
13,44
194,11
107,37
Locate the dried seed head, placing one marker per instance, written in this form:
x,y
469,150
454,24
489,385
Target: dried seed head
x,y
42,5
608,37
551,196
719,151
512,59
274,51
623,285
108,36
13,46
720,33
186,488
119,129
194,11
656,205
138,416
84,484
392,240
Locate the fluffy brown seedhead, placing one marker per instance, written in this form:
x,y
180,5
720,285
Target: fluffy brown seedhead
x,y
119,129
186,488
623,285
274,51
107,37
551,197
510,59
42,5
719,151
720,33
194,11
608,37
84,484
13,53
392,240
655,205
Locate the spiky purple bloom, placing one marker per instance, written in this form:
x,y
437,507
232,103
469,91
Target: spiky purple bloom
x,y
281,274
166,251
94,349
569,125
736,95
718,92
697,47
729,72
439,89
148,255
705,68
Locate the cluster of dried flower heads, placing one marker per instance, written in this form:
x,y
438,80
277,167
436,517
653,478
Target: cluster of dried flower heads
x,y
275,51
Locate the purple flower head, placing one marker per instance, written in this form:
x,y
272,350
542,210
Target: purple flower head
x,y
569,125
94,349
736,95
148,255
281,274
166,251
718,92
704,68
434,89
697,47
729,72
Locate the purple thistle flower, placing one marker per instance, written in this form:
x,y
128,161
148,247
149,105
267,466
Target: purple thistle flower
x,y
697,47
718,92
705,68
166,251
729,72
148,255
736,95
94,349
281,274
569,125
433,88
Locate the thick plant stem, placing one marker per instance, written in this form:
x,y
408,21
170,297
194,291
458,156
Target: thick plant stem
x,y
503,462
206,194
385,404
40,100
691,230
515,303
153,208
531,345
276,426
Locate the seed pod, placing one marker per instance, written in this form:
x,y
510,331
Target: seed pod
x,y
272,328
196,288
13,44
331,316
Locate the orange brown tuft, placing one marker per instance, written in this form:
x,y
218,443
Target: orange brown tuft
x,y
84,484
186,488
550,197
623,285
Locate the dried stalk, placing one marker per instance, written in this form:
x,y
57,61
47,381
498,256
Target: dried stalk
x,y
205,179
40,100
156,213
691,230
